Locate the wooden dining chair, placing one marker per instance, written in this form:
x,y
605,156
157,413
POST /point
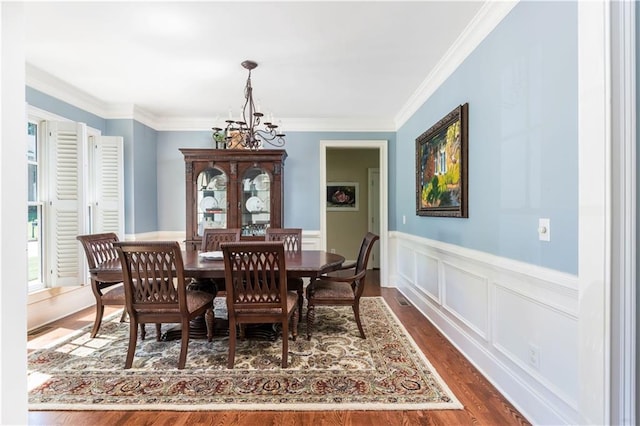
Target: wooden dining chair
x,y
212,238
343,287
98,249
156,292
257,291
292,240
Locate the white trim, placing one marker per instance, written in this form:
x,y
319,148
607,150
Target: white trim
x,y
594,211
543,395
623,308
13,202
372,218
292,124
59,89
488,17
53,86
42,115
383,164
48,305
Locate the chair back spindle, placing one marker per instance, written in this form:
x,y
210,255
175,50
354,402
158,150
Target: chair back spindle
x,y
213,237
291,238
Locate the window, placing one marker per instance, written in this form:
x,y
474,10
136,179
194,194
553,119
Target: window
x,y
35,219
75,186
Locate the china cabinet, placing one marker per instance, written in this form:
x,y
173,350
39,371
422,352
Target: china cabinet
x,y
229,188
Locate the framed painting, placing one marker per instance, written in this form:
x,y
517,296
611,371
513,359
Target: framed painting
x,y
342,196
441,166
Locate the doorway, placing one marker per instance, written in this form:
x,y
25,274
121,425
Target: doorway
x,y
380,146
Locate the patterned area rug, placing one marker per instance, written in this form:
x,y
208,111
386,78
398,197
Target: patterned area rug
x,y
336,370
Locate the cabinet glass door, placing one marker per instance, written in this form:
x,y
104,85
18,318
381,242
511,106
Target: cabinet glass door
x,y
211,199
255,187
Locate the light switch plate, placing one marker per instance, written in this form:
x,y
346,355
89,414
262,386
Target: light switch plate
x,y
544,229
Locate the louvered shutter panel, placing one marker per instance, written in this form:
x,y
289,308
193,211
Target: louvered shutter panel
x,y
108,185
65,207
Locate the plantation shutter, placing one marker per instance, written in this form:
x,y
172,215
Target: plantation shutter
x,y
65,207
108,185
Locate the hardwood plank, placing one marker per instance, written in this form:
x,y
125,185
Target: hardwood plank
x,y
483,404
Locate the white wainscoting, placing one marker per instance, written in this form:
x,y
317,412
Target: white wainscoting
x,y
516,322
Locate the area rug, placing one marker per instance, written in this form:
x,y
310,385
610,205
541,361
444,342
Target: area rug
x,y
335,370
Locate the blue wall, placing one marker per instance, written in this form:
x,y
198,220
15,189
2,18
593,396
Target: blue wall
x,y
522,90
140,180
146,181
154,168
521,86
302,174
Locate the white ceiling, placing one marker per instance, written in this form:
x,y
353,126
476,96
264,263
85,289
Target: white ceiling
x,y
342,61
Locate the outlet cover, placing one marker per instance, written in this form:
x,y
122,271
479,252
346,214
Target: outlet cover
x,y
544,229
534,356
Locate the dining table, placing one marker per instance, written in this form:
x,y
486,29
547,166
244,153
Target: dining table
x,y
304,264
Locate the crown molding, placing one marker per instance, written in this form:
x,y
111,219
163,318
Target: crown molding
x,y
488,17
61,90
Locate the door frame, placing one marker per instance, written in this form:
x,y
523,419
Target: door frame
x,y
624,245
372,214
381,146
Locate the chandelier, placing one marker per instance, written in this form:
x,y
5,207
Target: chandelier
x,y
246,133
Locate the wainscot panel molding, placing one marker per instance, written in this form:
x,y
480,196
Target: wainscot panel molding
x,y
179,236
516,322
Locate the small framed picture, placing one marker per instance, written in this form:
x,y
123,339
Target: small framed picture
x,y
342,196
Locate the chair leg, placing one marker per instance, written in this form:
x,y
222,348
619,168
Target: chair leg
x,y
133,340
143,331
232,343
98,320
184,344
210,321
158,332
294,325
285,342
356,312
123,316
311,316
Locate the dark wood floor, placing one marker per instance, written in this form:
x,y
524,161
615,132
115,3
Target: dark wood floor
x,y
483,405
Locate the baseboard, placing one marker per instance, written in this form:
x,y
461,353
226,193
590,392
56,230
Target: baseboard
x,y
496,312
